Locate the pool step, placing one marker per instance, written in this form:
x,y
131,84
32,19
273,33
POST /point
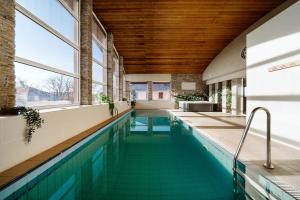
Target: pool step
x,y
251,189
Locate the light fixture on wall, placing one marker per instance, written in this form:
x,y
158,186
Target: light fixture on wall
x,y
244,53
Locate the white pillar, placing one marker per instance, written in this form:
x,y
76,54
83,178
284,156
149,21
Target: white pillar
x,y
210,93
218,98
224,93
237,98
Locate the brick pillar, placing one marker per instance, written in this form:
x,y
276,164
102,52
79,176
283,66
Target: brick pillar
x,y
110,60
149,90
127,90
121,70
7,54
86,57
224,92
237,98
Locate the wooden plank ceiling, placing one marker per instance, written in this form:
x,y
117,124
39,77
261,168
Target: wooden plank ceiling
x,y
176,36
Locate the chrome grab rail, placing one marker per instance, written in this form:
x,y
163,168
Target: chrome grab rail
x,y
268,163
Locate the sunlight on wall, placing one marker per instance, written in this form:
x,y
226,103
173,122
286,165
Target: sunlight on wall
x,y
277,42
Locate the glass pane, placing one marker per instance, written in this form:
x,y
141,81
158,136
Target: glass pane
x,y
98,52
73,5
161,91
139,91
99,33
37,87
115,94
55,15
35,43
96,91
98,73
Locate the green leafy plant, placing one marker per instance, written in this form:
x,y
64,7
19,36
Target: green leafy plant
x,y
111,105
191,97
32,117
133,97
103,98
133,103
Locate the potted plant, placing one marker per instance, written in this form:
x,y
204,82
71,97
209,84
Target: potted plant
x,y
133,103
32,117
111,105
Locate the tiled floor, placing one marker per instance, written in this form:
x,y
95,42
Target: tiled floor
x,y
226,130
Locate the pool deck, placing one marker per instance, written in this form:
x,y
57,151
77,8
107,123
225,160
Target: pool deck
x,y
226,131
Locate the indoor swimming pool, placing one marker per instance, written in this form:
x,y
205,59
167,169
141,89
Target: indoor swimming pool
x,y
143,155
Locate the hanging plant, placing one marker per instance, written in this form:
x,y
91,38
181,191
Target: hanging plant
x,y
32,117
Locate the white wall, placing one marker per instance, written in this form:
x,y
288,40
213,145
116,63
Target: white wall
x,y
276,42
60,125
148,77
228,64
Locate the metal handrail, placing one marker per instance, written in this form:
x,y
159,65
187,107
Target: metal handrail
x,y
268,163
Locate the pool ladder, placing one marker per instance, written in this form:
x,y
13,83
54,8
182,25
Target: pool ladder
x,y
236,171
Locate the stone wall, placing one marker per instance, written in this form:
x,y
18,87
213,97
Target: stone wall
x,y
86,56
121,73
177,79
7,53
110,60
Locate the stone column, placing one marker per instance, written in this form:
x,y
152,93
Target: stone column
x,y
210,93
121,70
110,60
86,56
7,54
237,98
224,93
127,90
149,90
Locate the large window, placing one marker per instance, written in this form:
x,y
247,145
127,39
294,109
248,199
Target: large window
x,y
139,91
116,77
47,52
99,47
161,91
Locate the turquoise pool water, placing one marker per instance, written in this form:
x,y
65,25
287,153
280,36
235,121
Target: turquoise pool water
x,y
146,155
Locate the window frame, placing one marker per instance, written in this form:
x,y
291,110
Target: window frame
x,y
104,64
168,91
147,91
60,36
